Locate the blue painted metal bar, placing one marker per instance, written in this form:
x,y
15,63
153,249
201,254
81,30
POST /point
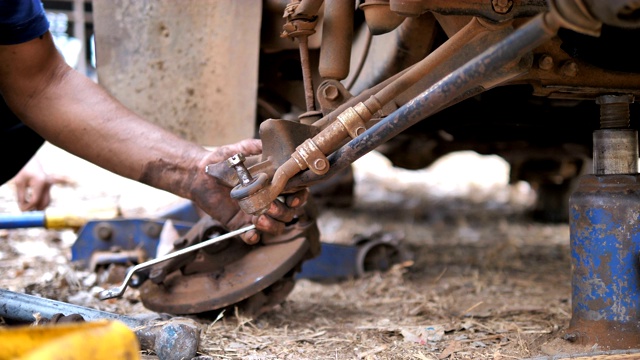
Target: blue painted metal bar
x,y
28,219
185,211
465,80
125,234
334,262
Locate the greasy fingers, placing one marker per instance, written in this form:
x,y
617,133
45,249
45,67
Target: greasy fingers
x,y
297,199
285,212
268,224
246,147
275,219
280,211
250,237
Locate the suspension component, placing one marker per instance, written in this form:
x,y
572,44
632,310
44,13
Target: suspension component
x,y
301,22
337,36
252,192
507,58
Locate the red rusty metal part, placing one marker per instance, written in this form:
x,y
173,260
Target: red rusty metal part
x,y
606,334
337,37
203,229
206,284
334,134
258,276
557,75
496,10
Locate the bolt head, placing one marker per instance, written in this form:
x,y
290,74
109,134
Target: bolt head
x,y
569,68
236,159
502,6
545,62
320,164
330,92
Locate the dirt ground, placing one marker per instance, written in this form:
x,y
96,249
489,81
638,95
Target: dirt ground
x,y
485,281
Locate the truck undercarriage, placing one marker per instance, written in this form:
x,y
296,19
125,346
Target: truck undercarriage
x,y
547,85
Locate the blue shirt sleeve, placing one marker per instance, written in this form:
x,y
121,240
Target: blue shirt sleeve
x,y
21,21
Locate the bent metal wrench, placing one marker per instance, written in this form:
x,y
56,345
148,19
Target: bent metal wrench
x,y
119,290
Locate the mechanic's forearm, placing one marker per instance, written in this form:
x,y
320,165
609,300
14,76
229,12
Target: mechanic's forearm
x,y
72,112
91,124
97,128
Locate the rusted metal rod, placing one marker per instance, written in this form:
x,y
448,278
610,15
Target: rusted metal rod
x,y
21,307
152,334
391,88
538,30
307,80
437,57
334,134
301,21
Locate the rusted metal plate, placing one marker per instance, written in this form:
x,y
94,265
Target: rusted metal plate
x,y
493,10
214,281
190,66
556,74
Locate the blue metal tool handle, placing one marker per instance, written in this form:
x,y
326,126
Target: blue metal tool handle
x,y
28,219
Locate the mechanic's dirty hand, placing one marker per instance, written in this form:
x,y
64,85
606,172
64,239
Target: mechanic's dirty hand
x,y
214,198
274,220
32,187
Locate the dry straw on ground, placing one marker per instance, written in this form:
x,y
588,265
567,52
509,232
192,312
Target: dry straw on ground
x,y
485,282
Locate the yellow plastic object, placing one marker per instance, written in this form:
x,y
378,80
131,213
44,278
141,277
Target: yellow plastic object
x,y
59,219
97,340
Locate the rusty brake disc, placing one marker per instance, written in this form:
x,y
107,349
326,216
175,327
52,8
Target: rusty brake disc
x,y
234,273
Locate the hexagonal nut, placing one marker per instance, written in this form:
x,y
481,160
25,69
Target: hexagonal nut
x,y
235,160
330,92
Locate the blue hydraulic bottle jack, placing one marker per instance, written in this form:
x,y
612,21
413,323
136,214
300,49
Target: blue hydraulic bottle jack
x,y
605,236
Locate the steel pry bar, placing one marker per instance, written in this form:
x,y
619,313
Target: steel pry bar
x,y
119,290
